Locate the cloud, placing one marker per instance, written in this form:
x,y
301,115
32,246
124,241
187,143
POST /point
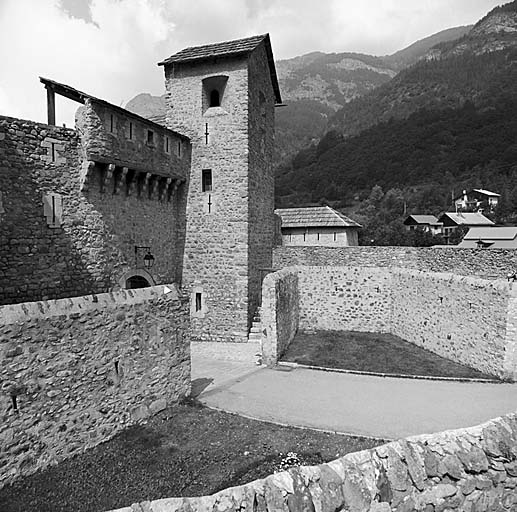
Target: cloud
x,y
112,50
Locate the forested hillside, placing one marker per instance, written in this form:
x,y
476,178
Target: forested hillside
x,y
446,123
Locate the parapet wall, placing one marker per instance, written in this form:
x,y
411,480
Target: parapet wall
x,y
473,469
466,319
486,263
74,372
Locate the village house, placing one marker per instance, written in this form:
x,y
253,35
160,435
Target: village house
x,y
490,238
427,223
320,225
476,200
452,221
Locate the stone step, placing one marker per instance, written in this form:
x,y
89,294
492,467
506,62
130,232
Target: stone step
x,y
256,328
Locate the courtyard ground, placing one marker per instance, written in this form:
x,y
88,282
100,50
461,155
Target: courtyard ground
x,y
187,450
372,352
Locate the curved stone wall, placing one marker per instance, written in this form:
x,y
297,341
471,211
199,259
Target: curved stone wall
x,y
466,470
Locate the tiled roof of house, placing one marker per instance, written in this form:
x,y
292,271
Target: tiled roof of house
x,y
319,216
468,219
424,219
228,49
492,233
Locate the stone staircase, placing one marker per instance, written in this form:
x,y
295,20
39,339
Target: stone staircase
x,y
255,333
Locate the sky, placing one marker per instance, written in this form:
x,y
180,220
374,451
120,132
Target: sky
x,y
110,48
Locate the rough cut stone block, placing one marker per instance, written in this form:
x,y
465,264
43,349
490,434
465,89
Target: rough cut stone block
x,y
158,405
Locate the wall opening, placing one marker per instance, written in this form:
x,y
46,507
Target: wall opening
x,y
199,304
206,180
137,282
213,91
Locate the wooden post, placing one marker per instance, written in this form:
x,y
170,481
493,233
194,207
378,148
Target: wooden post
x,y
51,105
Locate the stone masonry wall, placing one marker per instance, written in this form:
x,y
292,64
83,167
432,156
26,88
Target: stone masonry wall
x,y
465,470
466,319
261,186
74,372
345,299
280,313
486,263
91,245
460,318
216,240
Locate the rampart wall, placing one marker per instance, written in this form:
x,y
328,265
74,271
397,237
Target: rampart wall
x,y
74,372
466,470
486,263
69,226
465,319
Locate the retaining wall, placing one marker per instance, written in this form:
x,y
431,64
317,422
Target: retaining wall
x,y
467,470
486,263
74,372
465,319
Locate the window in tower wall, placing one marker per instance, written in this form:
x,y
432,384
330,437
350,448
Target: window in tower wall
x,y
206,180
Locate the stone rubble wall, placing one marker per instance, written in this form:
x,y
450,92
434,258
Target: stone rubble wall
x,y
486,263
465,319
458,317
466,470
82,369
279,314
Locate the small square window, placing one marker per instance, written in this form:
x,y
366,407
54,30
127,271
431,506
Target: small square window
x,y
206,180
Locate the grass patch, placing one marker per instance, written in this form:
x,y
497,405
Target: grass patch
x,y
373,352
187,450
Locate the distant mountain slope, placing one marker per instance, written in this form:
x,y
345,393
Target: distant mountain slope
x,y
446,121
408,56
314,86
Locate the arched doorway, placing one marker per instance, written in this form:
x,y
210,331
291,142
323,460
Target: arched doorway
x,y
136,282
136,278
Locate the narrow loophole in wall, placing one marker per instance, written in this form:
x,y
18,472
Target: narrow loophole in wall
x,y
206,180
14,400
198,302
116,366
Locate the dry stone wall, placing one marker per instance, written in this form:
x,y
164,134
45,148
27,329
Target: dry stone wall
x,y
74,372
280,313
466,470
486,263
465,319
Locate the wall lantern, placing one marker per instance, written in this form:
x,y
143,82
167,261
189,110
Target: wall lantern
x,y
148,257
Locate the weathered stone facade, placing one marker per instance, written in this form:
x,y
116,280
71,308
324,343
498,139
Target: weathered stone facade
x,y
85,242
466,319
466,470
230,227
486,263
75,372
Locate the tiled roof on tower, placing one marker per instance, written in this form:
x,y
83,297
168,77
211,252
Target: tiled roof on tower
x,y
228,49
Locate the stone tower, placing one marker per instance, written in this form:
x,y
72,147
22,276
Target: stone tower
x,y
223,97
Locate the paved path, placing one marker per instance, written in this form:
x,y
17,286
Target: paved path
x,y
388,408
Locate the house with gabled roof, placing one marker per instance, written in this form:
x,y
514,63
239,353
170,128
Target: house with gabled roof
x,y
453,220
319,225
428,223
503,237
476,199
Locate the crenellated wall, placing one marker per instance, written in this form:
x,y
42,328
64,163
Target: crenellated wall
x,y
74,372
466,470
